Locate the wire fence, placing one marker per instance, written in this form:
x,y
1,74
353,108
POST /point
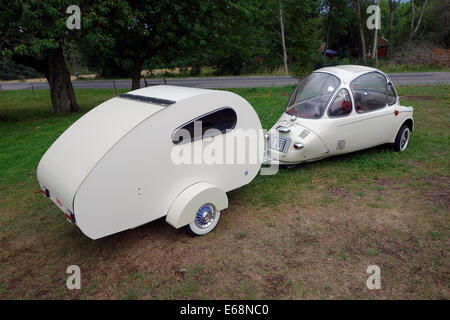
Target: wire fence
x,y
114,84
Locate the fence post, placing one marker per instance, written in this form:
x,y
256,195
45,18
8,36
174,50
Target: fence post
x,y
115,89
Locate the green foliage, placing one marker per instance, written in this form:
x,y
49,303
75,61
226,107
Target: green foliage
x,y
435,24
304,26
119,37
9,70
433,28
31,27
127,34
241,42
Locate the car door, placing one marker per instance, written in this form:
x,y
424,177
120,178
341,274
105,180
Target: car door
x,y
337,133
370,121
375,116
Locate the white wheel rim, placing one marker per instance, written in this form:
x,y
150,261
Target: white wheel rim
x,y
404,139
205,216
205,223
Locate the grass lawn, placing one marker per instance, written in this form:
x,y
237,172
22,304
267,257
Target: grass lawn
x,y
307,232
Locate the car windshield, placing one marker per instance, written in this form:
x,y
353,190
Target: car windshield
x,y
311,96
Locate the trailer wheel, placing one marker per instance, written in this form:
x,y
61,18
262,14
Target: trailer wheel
x,y
402,138
205,221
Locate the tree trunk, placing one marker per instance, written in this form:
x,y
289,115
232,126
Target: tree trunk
x,y
392,7
391,29
327,31
391,34
58,77
411,33
414,30
53,65
420,16
283,41
136,73
361,32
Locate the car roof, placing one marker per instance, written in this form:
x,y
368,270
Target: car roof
x,y
347,72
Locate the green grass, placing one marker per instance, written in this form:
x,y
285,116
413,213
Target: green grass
x,y
306,232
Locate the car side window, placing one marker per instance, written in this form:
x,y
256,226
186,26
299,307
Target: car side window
x,y
369,92
392,96
341,105
208,125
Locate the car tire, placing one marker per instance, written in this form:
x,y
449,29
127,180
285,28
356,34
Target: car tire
x,y
206,219
402,138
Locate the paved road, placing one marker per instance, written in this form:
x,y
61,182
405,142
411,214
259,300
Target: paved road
x,y
233,82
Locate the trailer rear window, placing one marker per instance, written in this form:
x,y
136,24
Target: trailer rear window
x,y
208,125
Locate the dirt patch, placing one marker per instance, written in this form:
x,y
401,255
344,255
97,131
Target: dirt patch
x,y
388,182
415,164
437,190
442,180
304,238
395,184
15,253
277,285
338,192
297,249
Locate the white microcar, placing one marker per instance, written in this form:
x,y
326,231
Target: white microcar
x,y
118,166
336,110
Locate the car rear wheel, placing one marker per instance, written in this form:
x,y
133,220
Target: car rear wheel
x,y
402,138
205,221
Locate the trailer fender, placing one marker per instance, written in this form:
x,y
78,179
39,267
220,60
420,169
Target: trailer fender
x,y
183,209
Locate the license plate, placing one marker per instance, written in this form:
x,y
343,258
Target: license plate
x,y
278,143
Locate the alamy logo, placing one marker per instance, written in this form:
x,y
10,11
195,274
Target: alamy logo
x,y
213,147
373,21
74,280
74,20
374,281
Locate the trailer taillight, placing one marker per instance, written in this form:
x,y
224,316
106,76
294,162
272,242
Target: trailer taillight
x,y
70,216
44,191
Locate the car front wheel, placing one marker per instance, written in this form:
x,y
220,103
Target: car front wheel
x,y
205,221
402,138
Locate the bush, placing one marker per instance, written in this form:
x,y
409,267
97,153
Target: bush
x,y
9,70
421,53
323,61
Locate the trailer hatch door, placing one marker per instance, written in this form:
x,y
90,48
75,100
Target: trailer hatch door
x,y
75,153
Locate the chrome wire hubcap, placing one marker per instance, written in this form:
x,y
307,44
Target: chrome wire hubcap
x,y
404,140
205,216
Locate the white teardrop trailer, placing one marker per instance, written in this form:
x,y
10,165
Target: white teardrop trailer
x,y
113,169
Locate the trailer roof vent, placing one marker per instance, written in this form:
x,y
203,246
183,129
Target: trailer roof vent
x,y
152,100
